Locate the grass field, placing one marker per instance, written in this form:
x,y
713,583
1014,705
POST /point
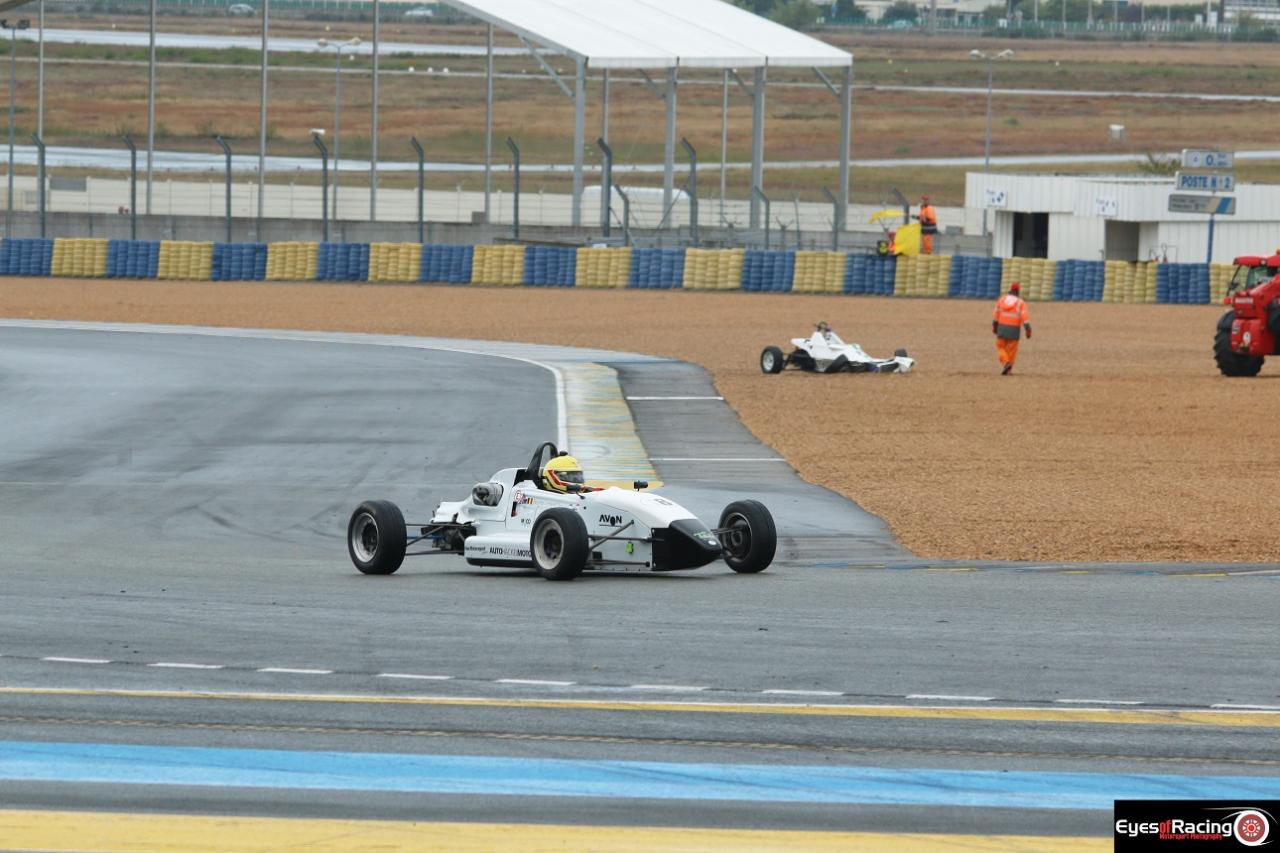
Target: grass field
x,y
92,99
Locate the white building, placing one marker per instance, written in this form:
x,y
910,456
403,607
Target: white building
x,y
1107,217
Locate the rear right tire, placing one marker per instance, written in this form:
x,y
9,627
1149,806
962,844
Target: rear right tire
x,y
1230,362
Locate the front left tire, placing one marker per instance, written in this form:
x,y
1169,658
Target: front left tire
x,y
559,544
376,538
772,360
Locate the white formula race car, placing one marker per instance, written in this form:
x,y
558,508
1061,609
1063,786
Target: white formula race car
x,y
825,352
513,521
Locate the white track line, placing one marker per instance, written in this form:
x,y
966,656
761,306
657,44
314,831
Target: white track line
x,y
168,665
689,399
534,682
75,660
673,688
413,677
1229,707
282,670
802,692
1097,702
949,698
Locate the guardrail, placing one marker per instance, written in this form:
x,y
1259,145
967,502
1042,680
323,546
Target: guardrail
x,y
852,273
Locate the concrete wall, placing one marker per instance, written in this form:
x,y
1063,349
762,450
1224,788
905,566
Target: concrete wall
x,y
117,226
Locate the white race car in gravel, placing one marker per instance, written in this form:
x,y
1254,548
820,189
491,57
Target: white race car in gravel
x,y
825,352
512,521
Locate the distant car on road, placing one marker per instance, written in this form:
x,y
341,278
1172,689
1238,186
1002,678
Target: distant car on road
x,y
419,13
240,10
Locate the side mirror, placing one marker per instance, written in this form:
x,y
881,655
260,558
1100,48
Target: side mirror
x,y
640,485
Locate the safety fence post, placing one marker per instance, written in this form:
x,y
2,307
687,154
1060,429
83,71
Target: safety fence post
x,y
758,194
133,186
421,185
606,187
626,215
515,154
836,219
324,185
692,189
40,181
226,149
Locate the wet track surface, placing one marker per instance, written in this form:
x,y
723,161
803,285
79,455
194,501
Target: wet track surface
x,y
172,510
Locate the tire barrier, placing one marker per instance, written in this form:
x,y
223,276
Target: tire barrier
x,y
975,278
239,261
342,262
28,256
923,276
870,274
395,262
293,261
603,268
1081,281
1182,284
1036,276
550,266
499,265
446,264
819,272
79,258
932,276
657,269
713,269
133,258
1219,280
181,260
768,271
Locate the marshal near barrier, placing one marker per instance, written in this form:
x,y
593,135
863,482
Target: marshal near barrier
x,y
660,269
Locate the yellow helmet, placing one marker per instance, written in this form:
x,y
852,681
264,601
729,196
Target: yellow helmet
x,y
563,474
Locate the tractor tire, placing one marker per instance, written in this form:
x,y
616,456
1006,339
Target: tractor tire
x,y
1230,362
376,538
754,541
771,360
559,544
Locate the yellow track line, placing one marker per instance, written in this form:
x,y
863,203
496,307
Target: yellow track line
x,y
135,833
1103,716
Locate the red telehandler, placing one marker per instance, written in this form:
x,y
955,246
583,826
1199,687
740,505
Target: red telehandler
x,y
1250,331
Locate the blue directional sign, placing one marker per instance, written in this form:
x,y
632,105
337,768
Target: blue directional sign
x,y
1212,205
1207,182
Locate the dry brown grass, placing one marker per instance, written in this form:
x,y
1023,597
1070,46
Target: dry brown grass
x,y
1116,440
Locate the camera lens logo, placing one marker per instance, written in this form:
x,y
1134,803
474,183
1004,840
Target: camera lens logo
x,y
1251,828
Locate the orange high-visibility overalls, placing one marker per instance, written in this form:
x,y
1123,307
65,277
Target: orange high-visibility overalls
x,y
928,227
1010,315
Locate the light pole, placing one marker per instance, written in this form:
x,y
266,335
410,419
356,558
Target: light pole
x,y
337,46
986,145
13,82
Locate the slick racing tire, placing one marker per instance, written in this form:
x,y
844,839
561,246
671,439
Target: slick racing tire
x,y
752,539
1230,362
559,544
376,538
771,360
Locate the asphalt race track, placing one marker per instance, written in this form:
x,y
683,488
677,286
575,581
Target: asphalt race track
x,y
183,632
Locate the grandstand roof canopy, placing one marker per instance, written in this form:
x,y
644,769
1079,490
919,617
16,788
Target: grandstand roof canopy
x,y
656,33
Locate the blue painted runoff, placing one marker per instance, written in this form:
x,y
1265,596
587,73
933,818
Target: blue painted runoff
x,y
453,774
